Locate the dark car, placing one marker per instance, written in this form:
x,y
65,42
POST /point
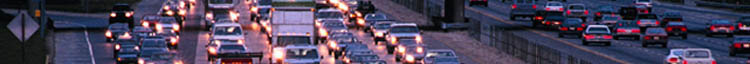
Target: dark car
x,y
153,43
127,56
677,29
369,19
365,7
603,11
478,2
550,18
121,13
116,30
627,29
742,25
628,12
571,26
647,20
720,26
126,43
338,44
597,34
655,36
670,17
741,44
577,11
523,8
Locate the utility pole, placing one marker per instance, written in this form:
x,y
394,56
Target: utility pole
x,y
44,18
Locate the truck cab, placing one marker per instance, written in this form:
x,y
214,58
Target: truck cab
x,y
221,3
296,54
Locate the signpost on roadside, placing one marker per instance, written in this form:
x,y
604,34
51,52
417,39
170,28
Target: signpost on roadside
x,y
23,26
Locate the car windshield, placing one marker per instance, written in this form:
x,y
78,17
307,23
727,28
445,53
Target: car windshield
x,y
598,30
572,22
232,47
220,1
446,60
365,57
375,17
697,54
404,29
228,31
403,41
647,16
655,31
121,8
383,26
554,4
347,39
576,7
721,22
334,25
149,52
329,15
302,53
677,52
154,43
611,18
167,20
285,40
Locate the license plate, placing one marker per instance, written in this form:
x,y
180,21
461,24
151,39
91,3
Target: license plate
x,y
572,28
656,38
746,45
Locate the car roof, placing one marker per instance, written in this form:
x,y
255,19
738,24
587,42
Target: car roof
x,y
598,26
403,24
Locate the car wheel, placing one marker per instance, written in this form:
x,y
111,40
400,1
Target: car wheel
x,y
616,37
684,37
730,35
585,43
664,45
398,59
731,53
560,35
513,17
644,45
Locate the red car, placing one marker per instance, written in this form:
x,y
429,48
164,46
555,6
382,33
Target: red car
x,y
677,29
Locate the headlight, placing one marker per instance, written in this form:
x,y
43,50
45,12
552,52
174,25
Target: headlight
x,y
409,58
176,27
419,39
129,14
140,61
145,24
209,15
173,40
332,44
212,50
401,49
182,13
361,21
169,12
378,34
323,32
117,46
166,8
113,14
254,9
420,49
108,34
278,53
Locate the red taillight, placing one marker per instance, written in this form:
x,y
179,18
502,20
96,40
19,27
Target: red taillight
x,y
713,61
533,6
546,9
635,31
607,36
684,62
583,25
620,30
669,29
712,28
647,38
639,22
586,12
563,29
579,29
737,45
683,29
568,12
588,36
657,22
673,60
538,17
646,12
731,28
598,14
514,6
739,24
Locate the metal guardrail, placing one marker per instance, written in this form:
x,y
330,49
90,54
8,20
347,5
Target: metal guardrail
x,y
526,49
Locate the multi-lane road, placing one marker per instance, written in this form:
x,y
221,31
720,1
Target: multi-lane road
x,y
93,48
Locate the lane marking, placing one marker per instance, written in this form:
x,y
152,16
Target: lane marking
x,y
545,35
88,41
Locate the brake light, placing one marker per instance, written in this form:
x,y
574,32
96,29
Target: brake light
x,y
684,62
657,22
647,38
737,45
620,30
538,17
683,29
598,14
713,62
514,6
646,12
635,31
607,37
563,29
547,9
583,25
639,22
579,29
673,60
731,28
669,29
586,12
713,27
533,6
112,14
588,36
568,12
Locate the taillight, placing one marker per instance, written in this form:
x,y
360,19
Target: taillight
x,y
538,17
556,22
620,30
713,61
639,22
546,9
598,14
586,12
568,12
579,29
588,36
607,36
684,62
669,29
737,45
657,22
731,28
635,31
673,60
583,25
563,29
646,12
739,25
647,38
713,27
683,29
533,6
514,6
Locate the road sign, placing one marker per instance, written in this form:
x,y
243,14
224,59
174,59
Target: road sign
x,y
23,26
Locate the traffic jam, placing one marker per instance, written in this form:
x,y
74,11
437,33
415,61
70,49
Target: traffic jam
x,y
296,32
634,22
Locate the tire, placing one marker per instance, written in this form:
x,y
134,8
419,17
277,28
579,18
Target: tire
x,y
559,35
608,44
709,35
616,37
731,53
512,17
644,45
684,37
398,59
664,45
585,43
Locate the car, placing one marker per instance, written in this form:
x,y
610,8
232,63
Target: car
x,y
720,26
168,25
150,20
121,13
115,30
158,56
742,25
153,43
604,11
690,56
218,48
333,26
332,14
554,6
126,42
338,43
610,20
577,11
357,49
127,55
400,31
571,26
627,29
655,36
523,8
214,16
142,31
173,9
259,12
628,12
441,56
647,3
369,19
378,30
227,31
548,19
359,58
305,54
410,51
365,7
597,34
740,44
647,20
670,17
478,2
642,9
172,38
677,29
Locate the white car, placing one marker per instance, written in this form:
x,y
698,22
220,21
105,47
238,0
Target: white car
x,y
218,48
296,54
554,6
167,24
227,30
441,56
379,29
332,14
648,3
690,56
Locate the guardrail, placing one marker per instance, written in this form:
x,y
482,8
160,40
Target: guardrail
x,y
525,49
429,8
736,5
